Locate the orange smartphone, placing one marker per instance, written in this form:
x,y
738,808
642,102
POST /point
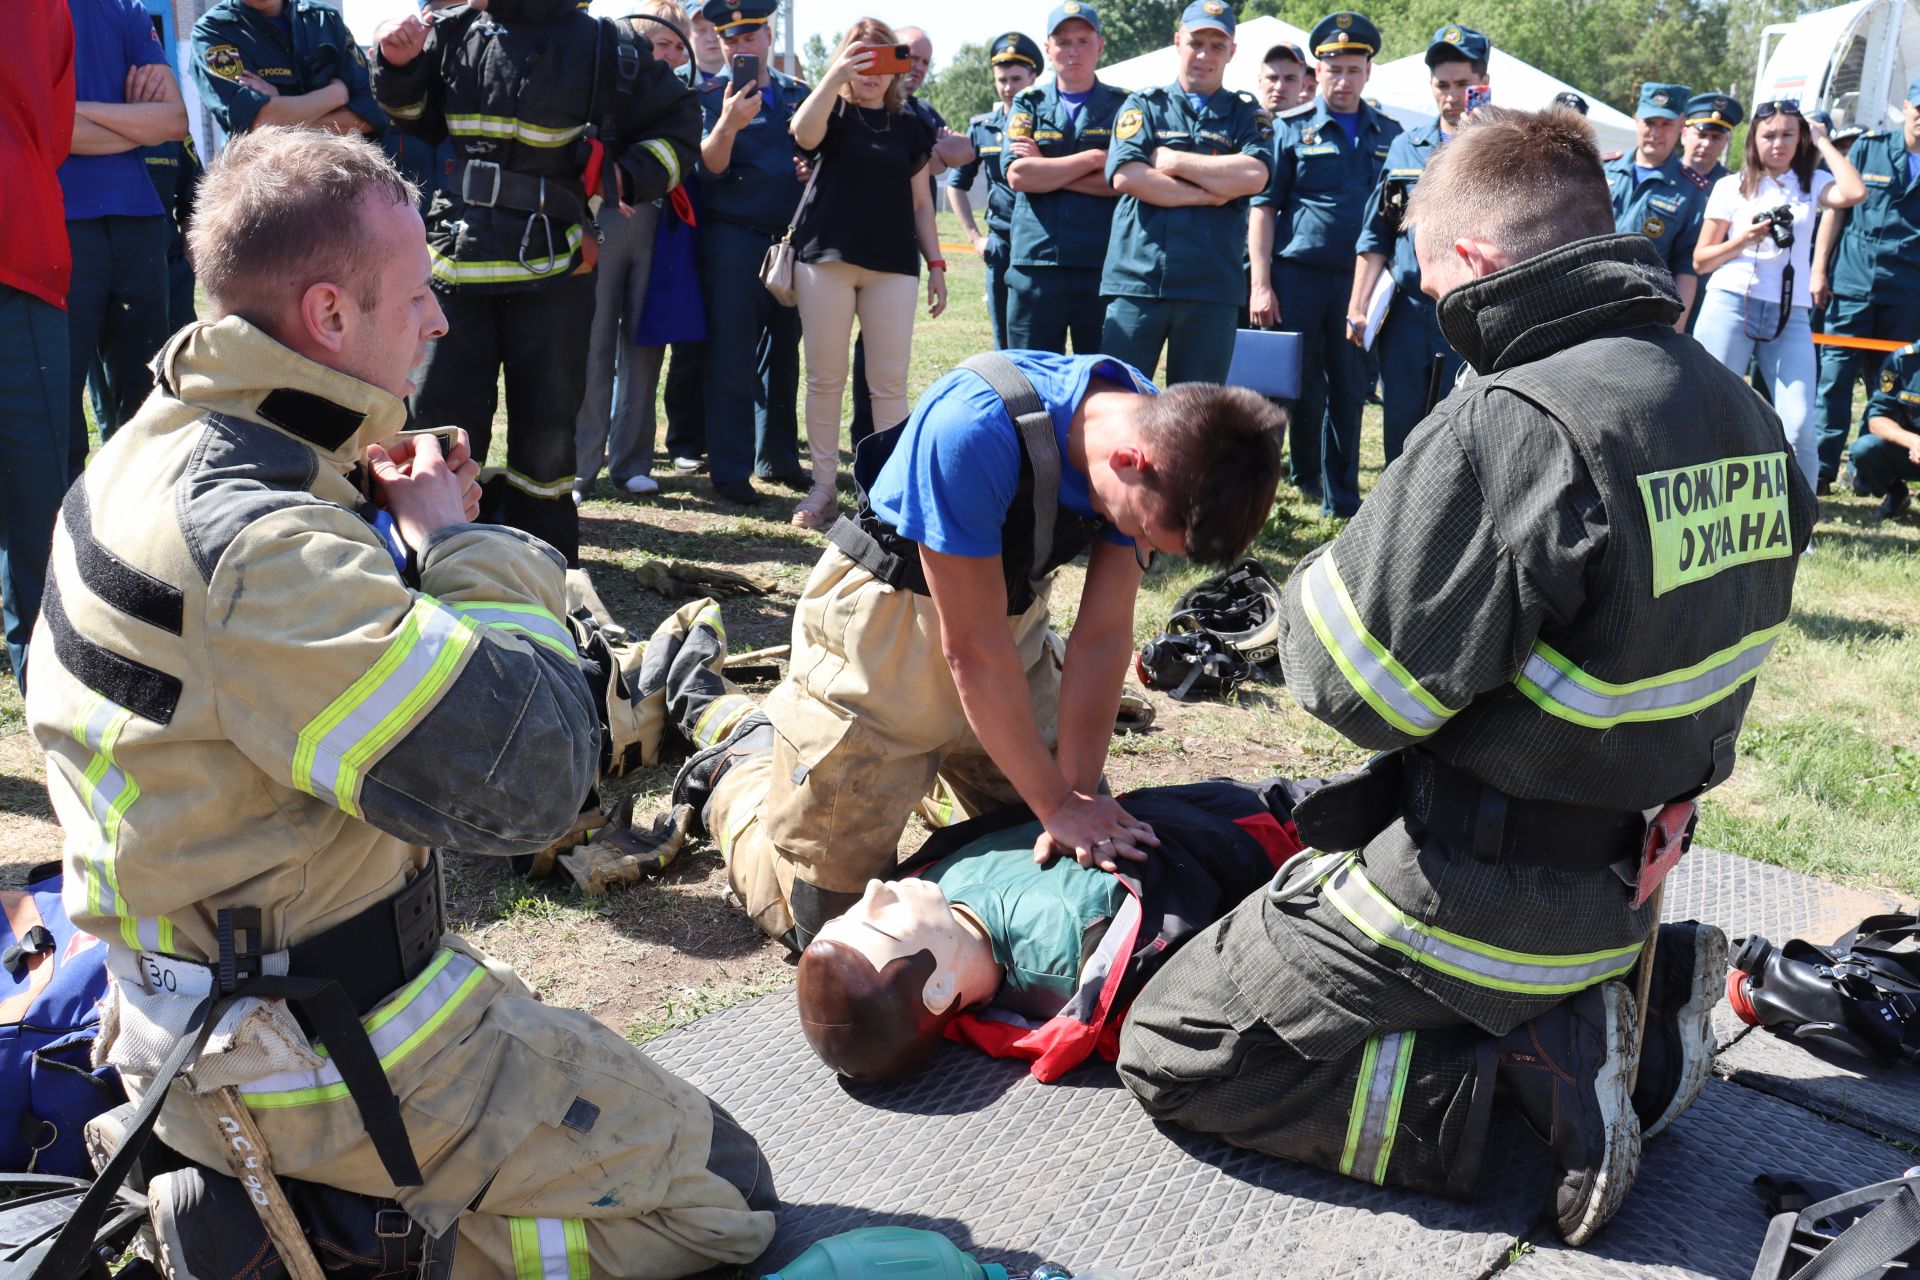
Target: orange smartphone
x,y
897,61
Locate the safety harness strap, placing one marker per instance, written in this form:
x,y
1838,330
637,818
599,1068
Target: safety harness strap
x,y
1029,414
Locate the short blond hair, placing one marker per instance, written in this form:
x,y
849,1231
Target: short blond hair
x,y
280,210
1527,181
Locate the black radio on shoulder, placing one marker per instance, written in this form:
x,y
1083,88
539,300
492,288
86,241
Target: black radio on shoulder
x,y
1394,194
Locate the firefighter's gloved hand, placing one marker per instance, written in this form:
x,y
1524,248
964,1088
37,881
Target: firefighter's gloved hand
x,y
625,854
680,580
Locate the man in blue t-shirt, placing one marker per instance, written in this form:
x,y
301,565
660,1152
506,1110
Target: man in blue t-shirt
x,y
117,304
921,647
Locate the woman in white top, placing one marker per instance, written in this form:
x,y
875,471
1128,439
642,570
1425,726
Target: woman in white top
x,y
1757,241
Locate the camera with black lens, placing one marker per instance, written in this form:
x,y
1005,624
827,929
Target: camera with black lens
x,y
1394,194
1780,225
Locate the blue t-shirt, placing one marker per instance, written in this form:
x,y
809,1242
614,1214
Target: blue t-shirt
x,y
955,470
1913,166
1642,172
1074,101
1349,121
110,37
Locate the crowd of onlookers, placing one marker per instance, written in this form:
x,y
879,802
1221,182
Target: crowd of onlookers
x,y
1162,220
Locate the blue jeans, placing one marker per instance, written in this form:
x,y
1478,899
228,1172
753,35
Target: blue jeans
x,y
33,457
116,309
1786,363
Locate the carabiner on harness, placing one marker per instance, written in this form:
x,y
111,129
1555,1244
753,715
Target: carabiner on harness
x,y
546,226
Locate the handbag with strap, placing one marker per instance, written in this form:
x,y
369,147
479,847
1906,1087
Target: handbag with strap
x,y
776,269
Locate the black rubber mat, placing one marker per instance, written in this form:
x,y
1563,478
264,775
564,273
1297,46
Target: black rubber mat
x,y
1743,896
1074,1172
1693,1212
1880,1100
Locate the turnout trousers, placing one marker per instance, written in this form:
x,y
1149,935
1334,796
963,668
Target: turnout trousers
x,y
1289,1028
558,1148
539,338
1323,436
866,727
1841,368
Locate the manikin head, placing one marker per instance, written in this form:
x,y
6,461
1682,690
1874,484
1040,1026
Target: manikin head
x,y
1191,471
314,238
1511,185
879,984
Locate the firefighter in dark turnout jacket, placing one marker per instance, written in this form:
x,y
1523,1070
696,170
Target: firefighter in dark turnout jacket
x,y
1548,616
549,110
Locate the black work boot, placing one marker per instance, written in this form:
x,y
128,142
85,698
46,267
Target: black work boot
x,y
1896,503
1689,971
1567,1070
208,1229
702,772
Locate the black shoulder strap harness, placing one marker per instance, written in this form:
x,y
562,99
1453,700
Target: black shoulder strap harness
x,y
1863,1234
1039,535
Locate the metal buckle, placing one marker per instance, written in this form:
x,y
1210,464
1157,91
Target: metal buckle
x,y
466,183
385,1232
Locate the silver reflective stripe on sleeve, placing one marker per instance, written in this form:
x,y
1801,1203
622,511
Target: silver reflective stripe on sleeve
x,y
1373,672
1558,686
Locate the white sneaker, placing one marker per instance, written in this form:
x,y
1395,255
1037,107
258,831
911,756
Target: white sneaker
x,y
578,497
687,466
640,486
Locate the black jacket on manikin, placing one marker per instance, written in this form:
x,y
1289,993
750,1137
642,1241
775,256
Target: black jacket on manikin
x,y
526,85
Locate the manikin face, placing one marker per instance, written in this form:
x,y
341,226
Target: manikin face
x,y
1702,146
1654,139
898,918
1203,57
1074,51
1342,78
1280,84
1010,78
1450,82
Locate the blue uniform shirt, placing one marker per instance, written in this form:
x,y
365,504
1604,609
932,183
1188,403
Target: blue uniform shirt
x,y
759,190
955,470
987,134
110,38
1062,228
1665,208
1879,254
1407,159
305,50
1194,253
1322,180
1898,394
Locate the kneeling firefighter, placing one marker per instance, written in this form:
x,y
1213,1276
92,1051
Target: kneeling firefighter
x,y
266,695
549,110
1549,615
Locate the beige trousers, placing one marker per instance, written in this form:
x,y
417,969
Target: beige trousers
x,y
866,725
831,294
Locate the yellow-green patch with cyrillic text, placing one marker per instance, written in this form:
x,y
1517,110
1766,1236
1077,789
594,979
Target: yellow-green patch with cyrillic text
x,y
1715,516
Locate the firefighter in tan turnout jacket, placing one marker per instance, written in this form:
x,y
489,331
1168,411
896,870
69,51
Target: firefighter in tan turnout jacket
x,y
1548,614
260,714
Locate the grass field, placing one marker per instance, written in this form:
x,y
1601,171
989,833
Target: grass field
x,y
1828,782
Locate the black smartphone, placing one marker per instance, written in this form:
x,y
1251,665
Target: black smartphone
x,y
746,68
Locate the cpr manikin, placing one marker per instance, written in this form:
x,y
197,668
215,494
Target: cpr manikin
x,y
879,984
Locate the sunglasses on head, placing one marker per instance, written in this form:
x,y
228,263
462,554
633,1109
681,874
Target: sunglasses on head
x,y
1778,107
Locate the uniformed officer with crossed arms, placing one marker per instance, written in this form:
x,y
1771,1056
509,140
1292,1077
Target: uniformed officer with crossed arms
x,y
1058,136
1015,60
1652,196
1326,165
283,62
1409,340
1185,159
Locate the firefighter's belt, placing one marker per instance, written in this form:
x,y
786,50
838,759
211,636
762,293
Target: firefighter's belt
x,y
484,184
375,952
1464,813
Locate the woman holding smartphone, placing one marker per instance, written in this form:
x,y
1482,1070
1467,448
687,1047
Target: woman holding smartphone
x,y
1757,240
858,241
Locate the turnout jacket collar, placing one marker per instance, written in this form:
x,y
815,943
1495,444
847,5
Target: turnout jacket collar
x,y
232,367
1559,299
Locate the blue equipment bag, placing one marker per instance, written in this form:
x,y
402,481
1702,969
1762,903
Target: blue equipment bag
x,y
50,991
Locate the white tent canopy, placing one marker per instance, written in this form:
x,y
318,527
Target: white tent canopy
x,y
1402,88
1254,38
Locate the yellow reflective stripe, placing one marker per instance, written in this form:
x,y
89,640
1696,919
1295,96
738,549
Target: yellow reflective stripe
x,y
743,816
662,151
730,710
336,746
408,111
1357,1105
536,623
109,791
1558,686
521,131
538,488
1399,1096
1373,1114
396,1029
548,1248
1375,674
460,271
1468,959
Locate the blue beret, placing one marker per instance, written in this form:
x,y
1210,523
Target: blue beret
x,y
1662,101
1454,41
1344,32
